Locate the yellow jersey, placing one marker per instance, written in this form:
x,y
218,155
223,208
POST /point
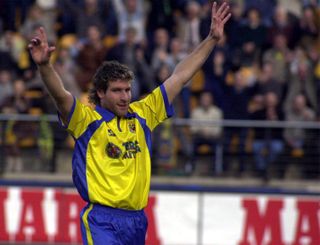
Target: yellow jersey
x,y
111,162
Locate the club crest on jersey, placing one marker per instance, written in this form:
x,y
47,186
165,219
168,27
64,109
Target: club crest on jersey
x,y
113,151
132,127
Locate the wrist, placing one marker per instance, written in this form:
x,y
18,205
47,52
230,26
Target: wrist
x,y
45,67
44,64
213,38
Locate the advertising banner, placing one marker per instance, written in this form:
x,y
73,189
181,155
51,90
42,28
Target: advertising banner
x,y
51,215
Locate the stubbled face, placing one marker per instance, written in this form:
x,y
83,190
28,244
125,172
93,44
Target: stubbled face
x,y
117,97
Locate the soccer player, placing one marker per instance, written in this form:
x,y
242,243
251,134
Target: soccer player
x,y
111,160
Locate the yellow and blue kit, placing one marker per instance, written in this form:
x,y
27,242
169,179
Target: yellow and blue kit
x,y
112,164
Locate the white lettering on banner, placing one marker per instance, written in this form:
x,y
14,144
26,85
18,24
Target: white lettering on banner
x,y
73,214
13,207
49,215
261,220
177,217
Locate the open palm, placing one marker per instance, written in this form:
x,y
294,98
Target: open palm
x,y
218,19
40,49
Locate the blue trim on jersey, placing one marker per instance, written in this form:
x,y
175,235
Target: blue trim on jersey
x,y
79,159
69,116
82,226
146,130
169,107
106,114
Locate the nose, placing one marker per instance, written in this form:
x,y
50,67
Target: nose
x,y
125,96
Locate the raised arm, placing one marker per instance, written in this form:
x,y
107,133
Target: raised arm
x,y
192,63
41,52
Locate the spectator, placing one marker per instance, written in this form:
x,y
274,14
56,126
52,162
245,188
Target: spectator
x,y
109,18
267,82
12,47
76,16
308,29
66,68
215,76
254,28
16,131
160,16
301,80
248,56
182,102
90,56
284,24
131,53
234,27
7,52
279,55
235,107
6,88
188,27
9,10
254,42
266,8
160,51
299,111
163,72
176,53
205,135
268,142
205,20
131,14
36,17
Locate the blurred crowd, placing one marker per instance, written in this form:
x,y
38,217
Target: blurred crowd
x,y
266,67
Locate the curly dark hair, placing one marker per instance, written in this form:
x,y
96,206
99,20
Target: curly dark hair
x,y
108,71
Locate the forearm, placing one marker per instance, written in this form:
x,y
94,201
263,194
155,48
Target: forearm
x,y
62,98
186,68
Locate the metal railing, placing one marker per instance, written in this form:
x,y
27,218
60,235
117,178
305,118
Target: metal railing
x,y
229,157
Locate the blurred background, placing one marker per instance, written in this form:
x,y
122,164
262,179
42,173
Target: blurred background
x,y
248,121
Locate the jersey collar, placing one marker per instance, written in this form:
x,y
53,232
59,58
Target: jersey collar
x,y
108,115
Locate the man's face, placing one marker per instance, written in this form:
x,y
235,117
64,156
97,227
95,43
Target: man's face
x,y
117,97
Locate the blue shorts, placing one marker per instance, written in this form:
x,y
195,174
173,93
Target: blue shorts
x,y
111,226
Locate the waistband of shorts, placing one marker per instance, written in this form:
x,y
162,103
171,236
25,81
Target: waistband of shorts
x,y
117,211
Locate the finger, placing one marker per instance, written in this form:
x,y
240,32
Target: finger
x,y
221,8
214,8
224,12
43,34
226,19
35,41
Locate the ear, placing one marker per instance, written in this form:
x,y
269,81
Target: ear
x,y
101,93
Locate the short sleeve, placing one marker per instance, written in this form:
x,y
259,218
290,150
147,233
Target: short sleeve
x,y
79,118
154,108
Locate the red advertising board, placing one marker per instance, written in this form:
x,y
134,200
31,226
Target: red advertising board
x,y
51,215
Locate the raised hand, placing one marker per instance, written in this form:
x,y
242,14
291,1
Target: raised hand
x,y
218,19
39,48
